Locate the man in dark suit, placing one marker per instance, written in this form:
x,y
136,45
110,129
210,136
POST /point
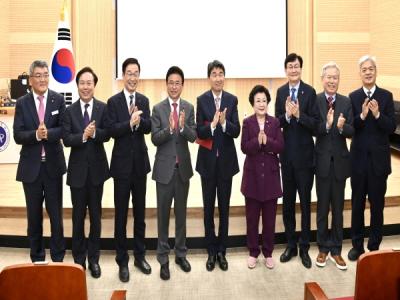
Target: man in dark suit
x,y
297,112
172,127
374,121
129,120
84,131
332,165
37,127
217,125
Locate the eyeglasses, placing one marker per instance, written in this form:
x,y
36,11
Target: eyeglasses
x,y
370,69
132,75
174,83
41,76
293,67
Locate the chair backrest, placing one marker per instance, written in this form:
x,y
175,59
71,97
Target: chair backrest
x,y
61,281
378,275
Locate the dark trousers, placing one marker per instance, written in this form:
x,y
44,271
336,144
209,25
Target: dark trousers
x,y
268,211
50,190
89,196
216,185
178,190
123,188
374,186
330,194
301,181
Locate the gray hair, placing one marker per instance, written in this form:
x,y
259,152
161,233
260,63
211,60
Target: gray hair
x,y
329,65
38,64
366,58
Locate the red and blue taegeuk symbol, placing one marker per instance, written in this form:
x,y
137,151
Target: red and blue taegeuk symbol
x,y
63,66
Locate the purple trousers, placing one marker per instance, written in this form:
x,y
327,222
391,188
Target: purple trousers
x,y
268,212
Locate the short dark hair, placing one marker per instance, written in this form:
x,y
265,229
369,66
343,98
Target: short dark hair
x,y
175,70
130,61
86,70
292,57
215,64
259,89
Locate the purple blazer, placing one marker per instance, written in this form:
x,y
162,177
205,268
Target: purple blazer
x,y
261,177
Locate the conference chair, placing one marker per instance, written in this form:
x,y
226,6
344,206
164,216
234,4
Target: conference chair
x,y
50,281
377,277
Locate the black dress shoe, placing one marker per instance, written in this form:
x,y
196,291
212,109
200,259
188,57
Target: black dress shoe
x,y
95,270
305,258
143,266
288,254
355,253
223,263
124,273
164,272
183,263
210,264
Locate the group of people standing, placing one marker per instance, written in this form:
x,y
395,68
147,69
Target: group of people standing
x,y
270,143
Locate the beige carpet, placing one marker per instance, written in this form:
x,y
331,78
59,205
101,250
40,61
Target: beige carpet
x,y
286,281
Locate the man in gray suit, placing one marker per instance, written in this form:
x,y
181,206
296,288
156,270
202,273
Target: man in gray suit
x,y
172,126
332,165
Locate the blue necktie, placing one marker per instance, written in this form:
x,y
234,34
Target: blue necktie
x,y
86,119
293,95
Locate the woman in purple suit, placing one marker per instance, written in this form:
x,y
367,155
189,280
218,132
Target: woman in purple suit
x,y
262,140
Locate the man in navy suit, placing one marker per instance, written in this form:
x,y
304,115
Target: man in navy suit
x,y
374,121
298,115
129,120
37,127
217,124
84,131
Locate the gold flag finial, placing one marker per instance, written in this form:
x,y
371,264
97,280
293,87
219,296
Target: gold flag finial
x,y
63,12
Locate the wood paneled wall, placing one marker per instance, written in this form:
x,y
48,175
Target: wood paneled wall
x,y
341,34
4,46
385,42
320,31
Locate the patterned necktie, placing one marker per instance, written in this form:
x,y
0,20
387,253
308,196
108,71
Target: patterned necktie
x,y
176,125
330,102
41,108
131,104
175,115
217,103
86,119
41,116
369,94
293,95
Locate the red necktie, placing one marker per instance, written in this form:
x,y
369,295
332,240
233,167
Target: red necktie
x,y
330,102
176,120
175,115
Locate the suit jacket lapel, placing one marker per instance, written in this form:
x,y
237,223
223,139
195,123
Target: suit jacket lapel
x,y
32,108
95,110
300,95
124,105
322,106
338,107
254,123
222,104
49,106
78,113
211,104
